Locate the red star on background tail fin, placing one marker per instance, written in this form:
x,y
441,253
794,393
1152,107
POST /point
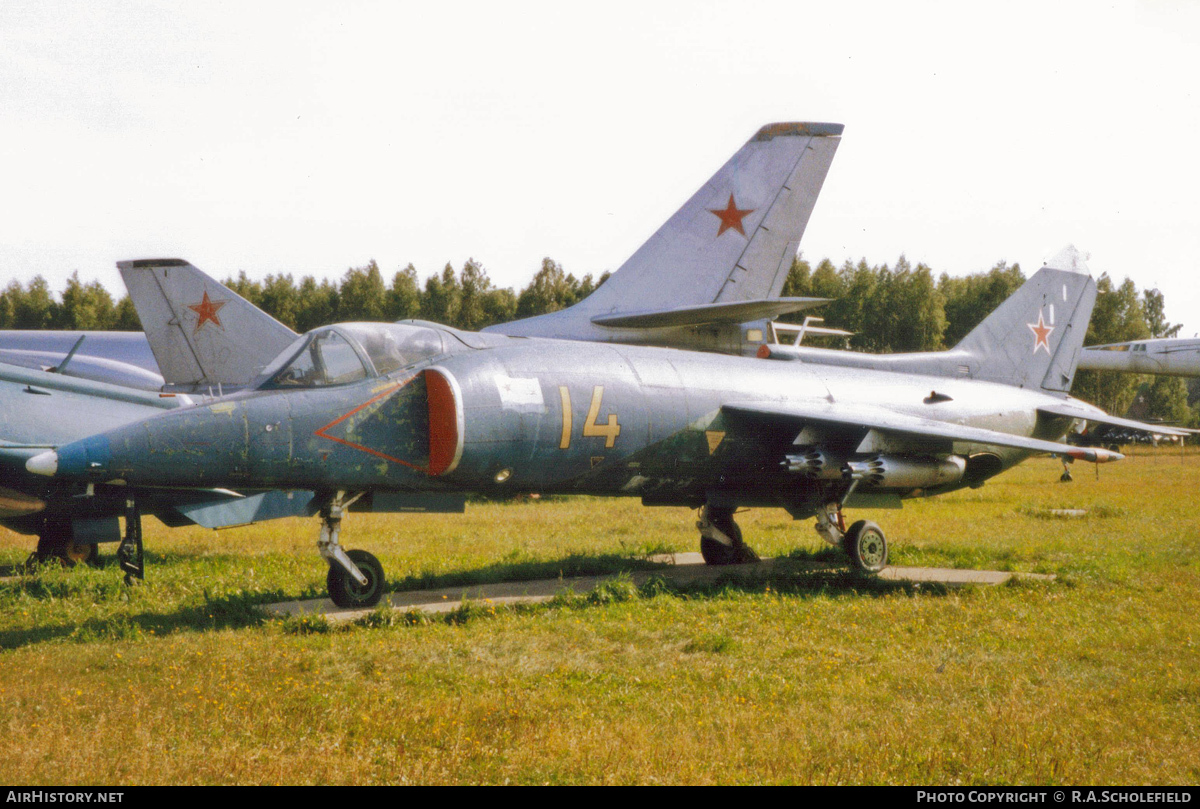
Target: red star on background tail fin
x,y
1041,334
731,217
207,310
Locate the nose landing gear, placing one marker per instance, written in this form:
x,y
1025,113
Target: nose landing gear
x,y
355,578
56,545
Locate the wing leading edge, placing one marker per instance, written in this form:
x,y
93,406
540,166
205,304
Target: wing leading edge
x,y
1097,416
866,419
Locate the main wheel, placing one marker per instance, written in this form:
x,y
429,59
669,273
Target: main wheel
x,y
716,552
866,546
347,593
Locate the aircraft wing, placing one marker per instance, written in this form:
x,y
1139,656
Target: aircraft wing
x,y
704,314
1096,416
864,419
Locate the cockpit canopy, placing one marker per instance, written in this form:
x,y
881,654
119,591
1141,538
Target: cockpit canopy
x,y
348,352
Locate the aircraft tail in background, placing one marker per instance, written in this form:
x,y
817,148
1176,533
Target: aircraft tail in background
x,y
202,333
1031,340
732,242
1034,338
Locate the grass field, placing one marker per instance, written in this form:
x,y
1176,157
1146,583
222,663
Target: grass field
x,y
1092,679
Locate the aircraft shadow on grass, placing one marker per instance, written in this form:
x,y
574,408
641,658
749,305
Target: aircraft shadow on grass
x,y
244,610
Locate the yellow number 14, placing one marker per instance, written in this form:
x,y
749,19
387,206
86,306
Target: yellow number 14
x,y
608,431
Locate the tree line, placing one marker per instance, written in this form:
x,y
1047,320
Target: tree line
x,y
893,308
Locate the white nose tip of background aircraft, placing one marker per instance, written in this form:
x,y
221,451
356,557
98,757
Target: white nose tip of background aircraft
x,y
45,463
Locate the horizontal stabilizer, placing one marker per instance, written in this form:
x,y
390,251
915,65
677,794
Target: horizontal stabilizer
x,y
802,330
704,314
865,418
1097,417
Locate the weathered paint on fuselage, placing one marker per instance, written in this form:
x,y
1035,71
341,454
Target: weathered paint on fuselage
x,y
637,422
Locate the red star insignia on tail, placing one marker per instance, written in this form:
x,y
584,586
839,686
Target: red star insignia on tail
x,y
1041,334
207,310
731,217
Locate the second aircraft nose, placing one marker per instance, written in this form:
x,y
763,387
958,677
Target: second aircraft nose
x,y
44,464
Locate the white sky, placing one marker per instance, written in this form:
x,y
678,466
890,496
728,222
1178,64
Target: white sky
x,y
309,137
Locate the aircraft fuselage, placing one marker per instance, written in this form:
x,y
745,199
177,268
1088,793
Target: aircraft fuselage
x,y
553,417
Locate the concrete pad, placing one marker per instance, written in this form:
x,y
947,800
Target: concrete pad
x,y
681,568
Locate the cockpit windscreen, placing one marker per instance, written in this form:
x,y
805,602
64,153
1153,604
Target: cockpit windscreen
x,y
348,352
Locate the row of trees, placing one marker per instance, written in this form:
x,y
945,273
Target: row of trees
x,y
901,307
466,299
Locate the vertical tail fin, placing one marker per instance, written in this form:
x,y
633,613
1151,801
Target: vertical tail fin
x,y
201,332
1034,338
733,241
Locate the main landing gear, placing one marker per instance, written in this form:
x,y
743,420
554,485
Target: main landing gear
x,y
721,539
864,542
1066,475
56,545
355,578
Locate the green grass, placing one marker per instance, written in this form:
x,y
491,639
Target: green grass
x,y
820,678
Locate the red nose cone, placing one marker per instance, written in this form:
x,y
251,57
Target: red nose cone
x,y
445,421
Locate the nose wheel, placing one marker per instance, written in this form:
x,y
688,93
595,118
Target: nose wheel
x,y
355,579
57,546
346,591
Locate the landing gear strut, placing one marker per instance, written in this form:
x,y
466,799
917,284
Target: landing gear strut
x,y
864,542
355,578
129,552
1066,475
721,538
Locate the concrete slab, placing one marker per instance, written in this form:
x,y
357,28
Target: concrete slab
x,y
681,568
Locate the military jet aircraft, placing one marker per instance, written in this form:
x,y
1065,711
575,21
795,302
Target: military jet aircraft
x,y
52,393
202,339
1165,356
427,414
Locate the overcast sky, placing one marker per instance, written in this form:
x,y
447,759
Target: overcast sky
x,y
309,137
